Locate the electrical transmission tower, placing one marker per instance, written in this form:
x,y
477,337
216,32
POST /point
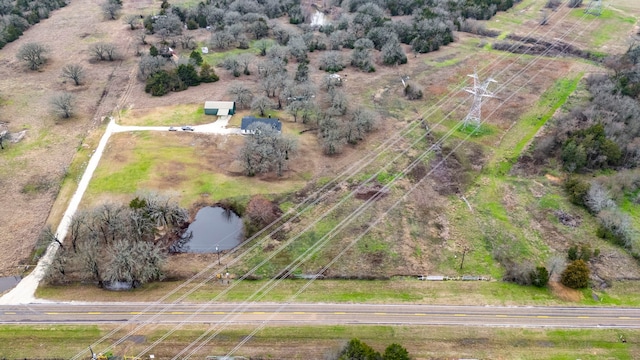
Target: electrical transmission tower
x,y
594,8
479,91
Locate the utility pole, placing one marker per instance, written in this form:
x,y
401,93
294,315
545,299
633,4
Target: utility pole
x,y
479,91
218,252
464,252
594,8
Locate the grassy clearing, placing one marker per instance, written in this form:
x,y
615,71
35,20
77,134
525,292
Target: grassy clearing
x,y
188,164
316,341
611,26
519,14
397,290
521,134
629,206
215,57
45,341
176,115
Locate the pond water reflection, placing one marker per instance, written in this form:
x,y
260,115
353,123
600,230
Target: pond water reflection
x,y
213,226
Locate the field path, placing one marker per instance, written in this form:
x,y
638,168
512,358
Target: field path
x,y
24,292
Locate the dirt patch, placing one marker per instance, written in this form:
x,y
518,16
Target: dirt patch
x,y
564,293
50,143
554,179
568,219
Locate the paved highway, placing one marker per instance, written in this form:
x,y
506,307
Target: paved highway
x,y
322,314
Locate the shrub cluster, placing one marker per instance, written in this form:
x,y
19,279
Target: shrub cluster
x,y
16,17
185,75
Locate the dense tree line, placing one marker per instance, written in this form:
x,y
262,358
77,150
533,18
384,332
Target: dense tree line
x,y
113,243
602,134
17,16
605,132
163,77
234,23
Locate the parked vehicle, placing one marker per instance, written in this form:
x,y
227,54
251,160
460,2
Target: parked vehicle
x,y
173,129
187,128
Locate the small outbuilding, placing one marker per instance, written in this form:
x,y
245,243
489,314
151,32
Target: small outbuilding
x,y
249,120
220,108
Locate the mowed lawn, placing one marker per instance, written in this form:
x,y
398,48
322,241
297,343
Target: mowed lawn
x,y
316,342
191,167
175,115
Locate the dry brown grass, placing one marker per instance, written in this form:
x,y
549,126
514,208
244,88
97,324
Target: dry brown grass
x,y
51,143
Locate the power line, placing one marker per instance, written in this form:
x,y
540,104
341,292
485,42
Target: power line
x,y
261,291
479,91
352,243
410,127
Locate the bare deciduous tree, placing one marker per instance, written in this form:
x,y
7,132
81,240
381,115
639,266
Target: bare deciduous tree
x,y
73,72
166,26
598,198
132,20
33,54
242,95
262,104
361,55
331,61
103,51
338,101
266,150
187,41
244,60
63,105
119,243
392,53
232,64
222,40
111,9
150,65
331,134
298,48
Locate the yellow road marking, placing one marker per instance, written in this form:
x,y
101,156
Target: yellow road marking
x,y
459,314
299,312
420,314
502,315
380,313
177,312
135,313
94,313
9,313
259,312
583,317
542,316
623,317
219,313
53,313
339,313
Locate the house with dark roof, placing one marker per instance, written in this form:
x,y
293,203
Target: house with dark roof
x,y
250,120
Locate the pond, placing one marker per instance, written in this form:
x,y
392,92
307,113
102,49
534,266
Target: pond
x,y
213,226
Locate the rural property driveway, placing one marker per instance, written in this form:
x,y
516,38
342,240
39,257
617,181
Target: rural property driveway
x,y
24,292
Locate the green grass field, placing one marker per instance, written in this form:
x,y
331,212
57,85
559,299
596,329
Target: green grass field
x,y
176,115
182,162
315,342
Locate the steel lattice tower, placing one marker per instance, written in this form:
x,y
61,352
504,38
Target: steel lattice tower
x,y
479,91
594,8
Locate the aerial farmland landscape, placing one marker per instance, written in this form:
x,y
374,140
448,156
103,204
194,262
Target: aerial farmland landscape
x,y
299,179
